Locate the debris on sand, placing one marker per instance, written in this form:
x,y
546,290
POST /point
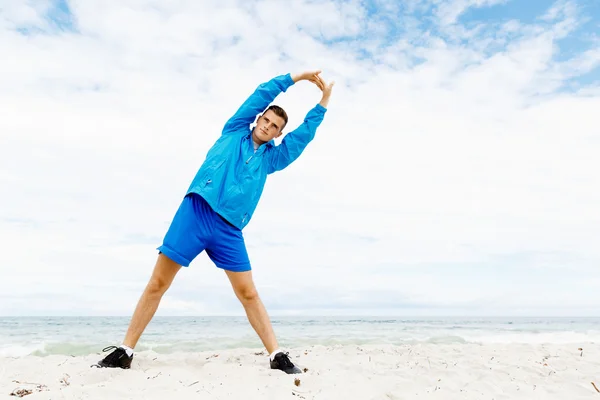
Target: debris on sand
x,y
65,380
23,390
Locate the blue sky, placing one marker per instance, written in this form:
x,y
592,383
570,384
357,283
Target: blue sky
x,y
60,15
454,173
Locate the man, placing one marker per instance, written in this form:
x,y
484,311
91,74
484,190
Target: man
x,y
220,202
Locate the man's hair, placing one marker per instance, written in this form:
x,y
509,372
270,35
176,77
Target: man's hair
x,y
280,112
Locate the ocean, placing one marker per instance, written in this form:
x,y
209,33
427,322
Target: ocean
x,y
76,336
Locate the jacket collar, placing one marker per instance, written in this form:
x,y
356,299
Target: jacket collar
x,y
270,143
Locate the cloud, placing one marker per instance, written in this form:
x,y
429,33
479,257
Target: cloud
x,y
455,166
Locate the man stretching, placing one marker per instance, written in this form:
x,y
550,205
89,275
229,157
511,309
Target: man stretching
x,y
220,202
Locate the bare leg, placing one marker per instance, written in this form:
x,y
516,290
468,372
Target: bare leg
x,y
161,279
244,289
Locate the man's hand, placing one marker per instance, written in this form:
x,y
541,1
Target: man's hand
x,y
326,88
314,77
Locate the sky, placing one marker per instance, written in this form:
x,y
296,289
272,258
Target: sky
x,y
455,172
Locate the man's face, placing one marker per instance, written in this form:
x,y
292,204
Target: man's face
x,y
268,127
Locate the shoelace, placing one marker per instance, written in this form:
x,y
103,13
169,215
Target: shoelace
x,y
284,361
113,357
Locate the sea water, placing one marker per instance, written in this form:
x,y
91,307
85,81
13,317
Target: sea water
x,y
43,336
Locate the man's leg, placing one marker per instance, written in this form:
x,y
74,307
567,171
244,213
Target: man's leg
x,y
228,251
161,279
184,240
244,289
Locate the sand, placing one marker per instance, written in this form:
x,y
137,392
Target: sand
x,y
422,371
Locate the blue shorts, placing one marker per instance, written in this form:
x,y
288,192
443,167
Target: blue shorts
x,y
195,228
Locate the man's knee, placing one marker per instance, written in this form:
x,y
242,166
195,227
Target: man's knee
x,y
162,276
243,286
157,285
247,293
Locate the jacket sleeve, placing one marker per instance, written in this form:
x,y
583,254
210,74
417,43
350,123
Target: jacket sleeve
x,y
258,101
294,143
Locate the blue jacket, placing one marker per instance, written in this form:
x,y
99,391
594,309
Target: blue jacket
x,y
232,177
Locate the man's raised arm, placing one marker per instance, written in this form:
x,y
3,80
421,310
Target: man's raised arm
x,y
258,101
294,143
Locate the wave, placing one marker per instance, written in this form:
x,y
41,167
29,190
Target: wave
x,y
66,348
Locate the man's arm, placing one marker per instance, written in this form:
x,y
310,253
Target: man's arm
x,y
294,143
258,101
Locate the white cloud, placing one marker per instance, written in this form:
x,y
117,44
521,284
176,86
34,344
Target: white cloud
x,y
564,9
29,13
447,174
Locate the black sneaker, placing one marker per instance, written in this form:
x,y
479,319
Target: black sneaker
x,y
282,361
117,359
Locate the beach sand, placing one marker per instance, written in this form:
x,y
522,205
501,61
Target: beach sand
x,y
421,371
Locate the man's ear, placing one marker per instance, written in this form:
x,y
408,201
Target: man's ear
x,y
279,134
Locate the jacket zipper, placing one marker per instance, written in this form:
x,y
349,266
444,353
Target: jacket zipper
x,y
248,160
